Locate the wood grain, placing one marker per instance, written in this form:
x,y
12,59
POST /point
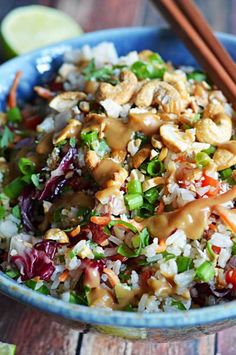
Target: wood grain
x,y
34,332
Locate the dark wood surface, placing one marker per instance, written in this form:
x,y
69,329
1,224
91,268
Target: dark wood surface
x,y
35,333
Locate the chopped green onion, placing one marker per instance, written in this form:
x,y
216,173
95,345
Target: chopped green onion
x,y
234,249
14,115
122,223
184,263
133,201
145,70
32,284
16,212
178,304
2,212
210,151
141,70
202,159
35,180
73,142
141,135
197,75
12,273
14,188
167,256
26,166
196,117
155,167
210,251
89,137
124,250
7,137
206,271
226,173
155,58
77,299
151,195
134,187
146,210
103,148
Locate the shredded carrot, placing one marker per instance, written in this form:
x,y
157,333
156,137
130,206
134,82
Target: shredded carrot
x,y
44,93
181,158
161,207
213,227
227,216
12,94
112,277
64,276
101,221
75,231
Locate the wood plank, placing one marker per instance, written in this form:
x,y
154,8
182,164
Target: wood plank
x,y
226,342
34,332
105,345
97,14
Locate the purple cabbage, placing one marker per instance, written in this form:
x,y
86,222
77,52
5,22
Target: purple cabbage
x,y
37,261
57,180
26,205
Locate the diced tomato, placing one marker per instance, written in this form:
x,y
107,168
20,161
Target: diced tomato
x,y
230,277
32,122
216,249
144,276
118,257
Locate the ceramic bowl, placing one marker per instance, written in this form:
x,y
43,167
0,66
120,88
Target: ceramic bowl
x,y
38,67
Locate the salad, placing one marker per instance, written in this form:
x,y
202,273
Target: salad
x,y
118,185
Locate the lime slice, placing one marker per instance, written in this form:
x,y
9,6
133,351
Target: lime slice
x,y
30,27
7,349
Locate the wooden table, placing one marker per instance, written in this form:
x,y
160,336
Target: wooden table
x,y
35,333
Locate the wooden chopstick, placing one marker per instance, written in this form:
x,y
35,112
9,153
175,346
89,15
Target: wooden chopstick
x,y
201,26
197,45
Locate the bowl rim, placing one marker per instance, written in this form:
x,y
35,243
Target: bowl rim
x,y
57,307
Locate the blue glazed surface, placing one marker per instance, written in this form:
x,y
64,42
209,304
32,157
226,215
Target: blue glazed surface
x,y
38,67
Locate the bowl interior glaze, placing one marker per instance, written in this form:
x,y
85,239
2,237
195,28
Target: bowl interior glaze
x,y
38,67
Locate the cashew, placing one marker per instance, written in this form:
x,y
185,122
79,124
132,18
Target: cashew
x,y
91,87
157,92
212,110
91,159
145,54
140,157
104,195
214,132
176,140
118,155
224,159
121,93
56,234
66,100
163,154
71,130
147,122
156,143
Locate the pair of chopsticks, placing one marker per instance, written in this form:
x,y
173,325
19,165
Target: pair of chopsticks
x,y
192,28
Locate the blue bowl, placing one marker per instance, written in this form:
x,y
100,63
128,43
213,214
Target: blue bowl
x,y
38,67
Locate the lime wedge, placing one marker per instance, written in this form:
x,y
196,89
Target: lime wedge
x,y
30,27
7,349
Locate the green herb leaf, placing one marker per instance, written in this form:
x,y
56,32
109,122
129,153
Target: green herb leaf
x,y
6,138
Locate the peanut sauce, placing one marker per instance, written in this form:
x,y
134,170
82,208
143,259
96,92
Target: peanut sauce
x,y
118,133
191,218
